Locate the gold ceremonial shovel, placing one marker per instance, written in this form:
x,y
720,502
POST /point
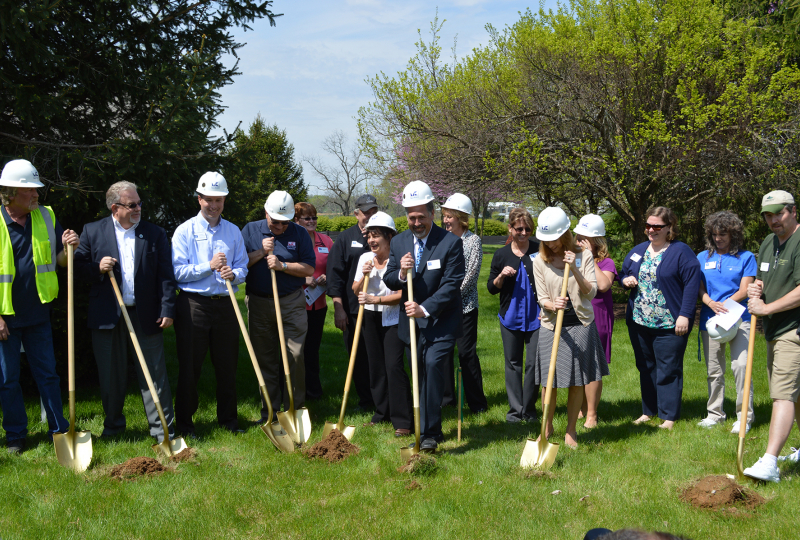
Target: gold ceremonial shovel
x,y
407,451
271,429
748,375
167,447
541,454
348,431
296,422
73,448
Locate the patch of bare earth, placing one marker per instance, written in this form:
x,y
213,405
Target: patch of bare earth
x,y
187,454
722,494
335,447
136,468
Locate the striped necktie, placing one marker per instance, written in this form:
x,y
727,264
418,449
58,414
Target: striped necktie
x,y
418,256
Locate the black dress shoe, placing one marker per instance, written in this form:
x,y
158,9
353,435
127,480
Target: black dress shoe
x,y
428,445
191,435
16,447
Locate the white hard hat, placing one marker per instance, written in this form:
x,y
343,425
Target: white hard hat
x,y
381,219
591,226
460,202
416,193
20,173
280,206
551,223
718,333
212,184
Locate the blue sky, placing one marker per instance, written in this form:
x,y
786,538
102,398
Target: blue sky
x,y
307,74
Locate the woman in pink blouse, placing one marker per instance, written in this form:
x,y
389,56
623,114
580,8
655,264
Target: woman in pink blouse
x,y
305,215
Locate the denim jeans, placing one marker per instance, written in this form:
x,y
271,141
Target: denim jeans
x,y
38,342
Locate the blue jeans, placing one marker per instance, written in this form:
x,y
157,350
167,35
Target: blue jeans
x,y
38,342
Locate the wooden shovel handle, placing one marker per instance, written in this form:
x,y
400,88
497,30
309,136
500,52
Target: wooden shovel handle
x,y
279,318
748,376
353,353
551,373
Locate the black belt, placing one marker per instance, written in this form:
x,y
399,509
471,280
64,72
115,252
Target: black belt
x,y
212,297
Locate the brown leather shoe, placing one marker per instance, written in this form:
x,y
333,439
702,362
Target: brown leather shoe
x,y
402,432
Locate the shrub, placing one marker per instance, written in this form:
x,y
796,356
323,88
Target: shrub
x,y
401,224
341,223
324,223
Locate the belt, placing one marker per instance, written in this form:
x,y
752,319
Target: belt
x,y
209,297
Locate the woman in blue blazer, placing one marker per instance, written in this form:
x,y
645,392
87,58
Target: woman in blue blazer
x,y
663,276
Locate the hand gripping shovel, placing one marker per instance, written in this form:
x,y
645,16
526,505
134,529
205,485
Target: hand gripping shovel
x,y
296,423
348,431
73,448
273,430
407,451
748,375
167,447
542,453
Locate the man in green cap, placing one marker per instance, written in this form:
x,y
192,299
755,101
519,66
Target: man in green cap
x,y
775,296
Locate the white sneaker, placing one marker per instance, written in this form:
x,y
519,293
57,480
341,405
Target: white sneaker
x,y
708,422
794,457
737,424
762,471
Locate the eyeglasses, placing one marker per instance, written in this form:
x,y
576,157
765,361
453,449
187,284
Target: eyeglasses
x,y
654,228
131,206
521,230
313,218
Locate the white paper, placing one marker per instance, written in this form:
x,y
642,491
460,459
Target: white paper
x,y
727,320
711,265
434,265
312,293
390,315
765,267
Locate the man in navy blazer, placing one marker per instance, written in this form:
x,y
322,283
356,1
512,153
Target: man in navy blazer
x,y
438,259
140,255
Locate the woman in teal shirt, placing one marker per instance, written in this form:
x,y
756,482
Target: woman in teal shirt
x,y
727,271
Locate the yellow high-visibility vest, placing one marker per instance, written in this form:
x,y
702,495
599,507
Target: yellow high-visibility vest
x,y
43,238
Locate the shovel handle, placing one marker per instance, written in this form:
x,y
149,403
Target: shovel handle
x,y
71,334
279,318
551,373
748,376
412,331
353,353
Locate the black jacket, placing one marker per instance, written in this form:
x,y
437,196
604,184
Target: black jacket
x,y
153,283
342,261
505,257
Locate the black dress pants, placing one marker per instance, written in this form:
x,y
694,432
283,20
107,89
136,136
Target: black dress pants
x,y
471,375
316,323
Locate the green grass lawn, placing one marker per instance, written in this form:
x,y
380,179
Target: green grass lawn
x,y
240,487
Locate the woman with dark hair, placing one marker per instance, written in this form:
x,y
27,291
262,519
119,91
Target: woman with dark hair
x,y
389,384
664,278
580,357
727,271
511,275
305,215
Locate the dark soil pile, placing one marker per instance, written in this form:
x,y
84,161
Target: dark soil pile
x,y
187,454
138,466
335,447
719,493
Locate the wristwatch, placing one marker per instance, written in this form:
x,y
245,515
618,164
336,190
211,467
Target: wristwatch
x,y
284,266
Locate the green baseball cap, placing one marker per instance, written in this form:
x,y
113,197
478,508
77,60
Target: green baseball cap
x,y
774,201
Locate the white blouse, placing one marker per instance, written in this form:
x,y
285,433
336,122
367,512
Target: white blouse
x,y
376,287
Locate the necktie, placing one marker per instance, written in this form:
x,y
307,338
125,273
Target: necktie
x,y
418,255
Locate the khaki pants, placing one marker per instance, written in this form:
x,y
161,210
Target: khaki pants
x,y
263,327
783,366
715,367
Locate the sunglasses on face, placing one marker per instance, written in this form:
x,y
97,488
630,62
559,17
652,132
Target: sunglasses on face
x,y
654,228
313,218
131,206
521,230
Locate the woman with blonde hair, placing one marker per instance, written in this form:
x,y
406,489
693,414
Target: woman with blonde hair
x,y
580,357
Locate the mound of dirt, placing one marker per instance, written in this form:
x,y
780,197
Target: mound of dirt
x,y
187,454
136,467
335,447
719,493
419,464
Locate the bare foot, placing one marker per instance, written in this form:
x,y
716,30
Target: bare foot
x,y
571,440
581,415
667,424
591,422
642,419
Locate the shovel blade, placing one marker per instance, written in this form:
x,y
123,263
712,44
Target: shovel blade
x,y
740,460
538,454
170,447
74,449
347,431
407,451
279,437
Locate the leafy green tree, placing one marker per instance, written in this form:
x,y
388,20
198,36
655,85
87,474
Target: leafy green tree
x,y
262,161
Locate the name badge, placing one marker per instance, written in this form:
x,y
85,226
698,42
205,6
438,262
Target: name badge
x,y
200,236
533,255
577,262
636,257
322,250
434,265
765,267
711,265
356,244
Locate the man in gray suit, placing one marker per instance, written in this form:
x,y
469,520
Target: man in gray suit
x,y
140,255
437,260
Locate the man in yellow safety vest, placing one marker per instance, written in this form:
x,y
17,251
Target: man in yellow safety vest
x,y
30,238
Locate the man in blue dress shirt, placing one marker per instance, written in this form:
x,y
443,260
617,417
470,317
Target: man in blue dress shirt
x,y
293,260
206,251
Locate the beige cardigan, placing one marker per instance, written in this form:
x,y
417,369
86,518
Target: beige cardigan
x,y
548,286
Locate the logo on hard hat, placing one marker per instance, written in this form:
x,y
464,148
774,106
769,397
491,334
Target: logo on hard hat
x,y
215,184
545,227
36,174
585,225
282,209
413,194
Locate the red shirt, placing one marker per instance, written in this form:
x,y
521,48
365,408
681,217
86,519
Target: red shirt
x,y
322,246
